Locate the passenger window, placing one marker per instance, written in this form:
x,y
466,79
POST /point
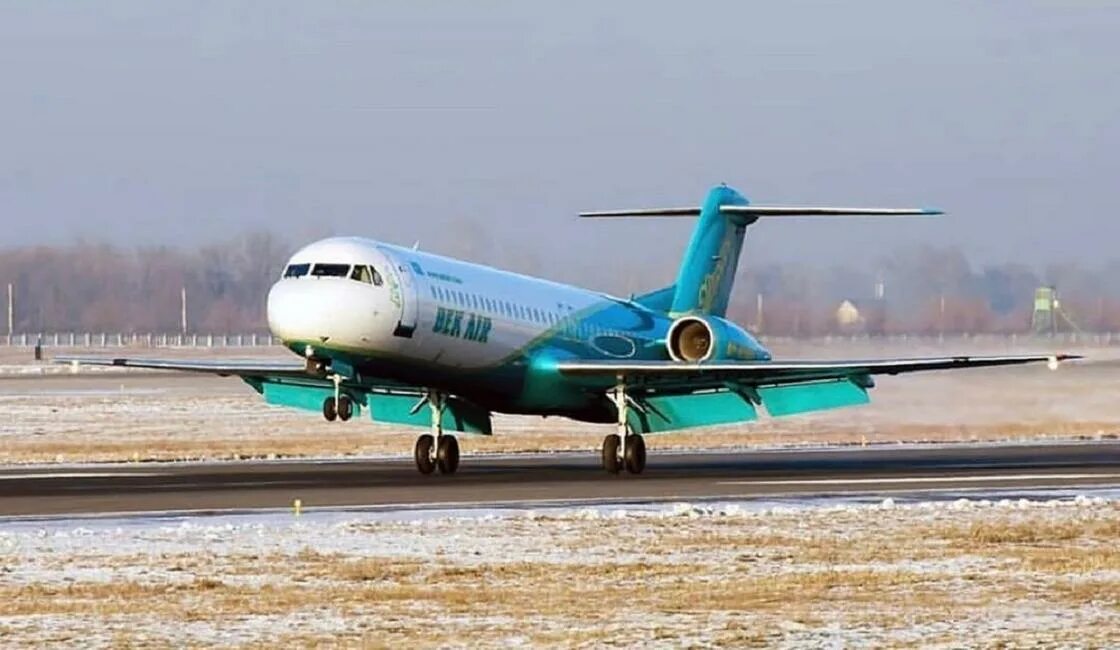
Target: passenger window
x,y
361,274
330,270
296,270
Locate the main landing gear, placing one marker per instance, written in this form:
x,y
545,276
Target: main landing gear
x,y
436,450
623,449
339,406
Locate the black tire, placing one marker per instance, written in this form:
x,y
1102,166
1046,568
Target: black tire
x,y
423,453
345,408
447,456
329,410
635,454
610,454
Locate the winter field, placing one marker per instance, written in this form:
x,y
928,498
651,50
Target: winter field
x,y
1038,572
52,414
1029,569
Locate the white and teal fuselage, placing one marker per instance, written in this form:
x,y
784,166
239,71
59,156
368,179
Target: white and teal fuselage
x,y
490,336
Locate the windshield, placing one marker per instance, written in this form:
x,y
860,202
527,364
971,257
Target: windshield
x,y
296,270
331,270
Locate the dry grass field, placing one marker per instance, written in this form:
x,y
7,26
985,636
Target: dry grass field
x,y
51,415
949,574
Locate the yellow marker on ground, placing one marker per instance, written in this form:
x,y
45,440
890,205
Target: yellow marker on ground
x,y
297,507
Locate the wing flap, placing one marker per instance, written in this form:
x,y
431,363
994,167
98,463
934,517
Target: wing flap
x,y
791,399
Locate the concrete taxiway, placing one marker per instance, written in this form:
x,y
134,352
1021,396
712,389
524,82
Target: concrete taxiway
x,y
204,487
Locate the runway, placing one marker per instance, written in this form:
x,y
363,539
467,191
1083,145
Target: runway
x,y
565,478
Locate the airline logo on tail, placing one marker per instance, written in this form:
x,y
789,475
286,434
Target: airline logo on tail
x,y
709,286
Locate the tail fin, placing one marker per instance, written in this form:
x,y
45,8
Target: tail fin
x,y
707,272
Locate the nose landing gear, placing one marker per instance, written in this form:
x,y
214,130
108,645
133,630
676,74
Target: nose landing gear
x,y
339,406
436,450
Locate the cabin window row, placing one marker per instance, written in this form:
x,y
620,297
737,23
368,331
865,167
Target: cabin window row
x,y
495,306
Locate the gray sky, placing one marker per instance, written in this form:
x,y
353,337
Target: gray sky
x,y
480,128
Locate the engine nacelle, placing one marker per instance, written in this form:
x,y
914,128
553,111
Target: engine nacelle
x,y
693,339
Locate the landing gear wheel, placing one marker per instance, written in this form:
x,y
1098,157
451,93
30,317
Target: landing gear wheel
x,y
329,410
635,454
611,461
447,455
423,453
345,408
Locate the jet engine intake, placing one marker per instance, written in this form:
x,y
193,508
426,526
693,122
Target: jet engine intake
x,y
691,340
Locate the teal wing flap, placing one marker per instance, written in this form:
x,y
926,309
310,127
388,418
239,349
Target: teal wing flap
x,y
672,412
383,406
790,399
458,415
300,396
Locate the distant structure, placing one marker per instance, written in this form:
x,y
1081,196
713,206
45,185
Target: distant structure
x,y
1042,318
848,316
1048,317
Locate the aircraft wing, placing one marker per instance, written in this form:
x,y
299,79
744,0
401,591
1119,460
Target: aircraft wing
x,y
224,368
693,376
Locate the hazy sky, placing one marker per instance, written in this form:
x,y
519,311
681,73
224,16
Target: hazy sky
x,y
483,127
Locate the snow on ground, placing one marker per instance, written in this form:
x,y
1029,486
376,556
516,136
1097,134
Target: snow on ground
x,y
1016,568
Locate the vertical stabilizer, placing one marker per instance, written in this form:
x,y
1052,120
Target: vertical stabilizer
x,y
708,269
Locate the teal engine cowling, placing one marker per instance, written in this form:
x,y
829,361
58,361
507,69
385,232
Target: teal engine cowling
x,y
695,339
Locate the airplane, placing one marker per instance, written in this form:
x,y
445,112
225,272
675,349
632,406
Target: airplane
x,y
423,340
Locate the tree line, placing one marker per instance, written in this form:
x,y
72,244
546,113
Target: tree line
x,y
94,287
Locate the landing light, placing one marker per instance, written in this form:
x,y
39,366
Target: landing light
x,y
1052,363
308,351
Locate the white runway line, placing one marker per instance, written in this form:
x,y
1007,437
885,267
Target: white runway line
x,y
16,477
927,479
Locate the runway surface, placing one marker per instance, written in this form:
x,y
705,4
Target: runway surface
x,y
46,490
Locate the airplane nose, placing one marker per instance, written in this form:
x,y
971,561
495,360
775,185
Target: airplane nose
x,y
328,311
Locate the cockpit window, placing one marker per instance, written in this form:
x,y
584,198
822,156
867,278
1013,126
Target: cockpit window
x,y
376,277
330,270
296,270
361,274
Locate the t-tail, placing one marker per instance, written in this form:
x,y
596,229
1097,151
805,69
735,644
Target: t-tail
x,y
711,260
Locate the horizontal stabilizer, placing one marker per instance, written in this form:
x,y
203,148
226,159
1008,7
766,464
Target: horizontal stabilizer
x,y
648,212
809,211
771,211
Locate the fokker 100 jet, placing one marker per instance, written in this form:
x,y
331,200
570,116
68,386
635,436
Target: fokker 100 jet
x,y
413,338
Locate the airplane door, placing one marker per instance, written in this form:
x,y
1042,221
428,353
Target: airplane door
x,y
409,301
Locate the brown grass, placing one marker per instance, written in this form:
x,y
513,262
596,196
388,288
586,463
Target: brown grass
x,y
734,581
